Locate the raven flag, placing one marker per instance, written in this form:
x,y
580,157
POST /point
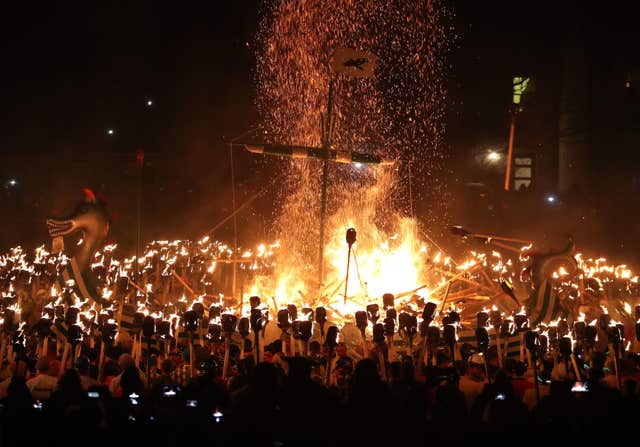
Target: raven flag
x,y
354,63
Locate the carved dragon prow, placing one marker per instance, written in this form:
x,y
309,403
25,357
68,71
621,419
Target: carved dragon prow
x,y
542,265
90,218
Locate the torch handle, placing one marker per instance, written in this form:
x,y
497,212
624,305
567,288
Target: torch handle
x,y
292,343
391,349
227,345
575,367
434,359
134,351
136,348
424,351
346,280
3,348
45,346
63,363
486,368
381,362
529,359
101,361
612,352
499,347
522,347
256,346
535,380
365,349
77,352
327,377
192,360
149,363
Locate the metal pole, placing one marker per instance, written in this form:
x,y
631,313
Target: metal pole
x,y
235,221
326,144
411,193
140,163
323,217
512,130
346,280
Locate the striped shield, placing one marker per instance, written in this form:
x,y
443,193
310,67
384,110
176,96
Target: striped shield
x,y
468,335
85,284
544,305
126,320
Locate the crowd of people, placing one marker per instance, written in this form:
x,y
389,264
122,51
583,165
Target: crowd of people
x,y
323,398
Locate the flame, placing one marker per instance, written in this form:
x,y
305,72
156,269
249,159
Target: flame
x,y
143,309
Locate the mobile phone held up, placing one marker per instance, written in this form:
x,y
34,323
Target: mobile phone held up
x,y
579,387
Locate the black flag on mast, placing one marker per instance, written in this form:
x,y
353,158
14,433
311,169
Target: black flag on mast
x,y
354,63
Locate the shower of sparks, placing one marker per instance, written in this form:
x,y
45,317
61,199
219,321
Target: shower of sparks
x,y
399,113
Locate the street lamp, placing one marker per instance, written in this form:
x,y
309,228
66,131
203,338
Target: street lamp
x,y
493,156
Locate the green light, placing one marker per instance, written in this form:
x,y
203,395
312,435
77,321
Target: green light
x,y
520,85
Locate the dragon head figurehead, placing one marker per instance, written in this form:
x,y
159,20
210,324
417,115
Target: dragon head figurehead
x,y
91,219
542,265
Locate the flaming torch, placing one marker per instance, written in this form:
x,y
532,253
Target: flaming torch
x,y
321,319
229,323
361,323
43,329
148,330
108,334
302,331
351,239
428,315
615,340
256,326
243,330
70,319
496,322
190,322
521,323
293,313
284,323
378,339
331,341
389,329
482,338
532,344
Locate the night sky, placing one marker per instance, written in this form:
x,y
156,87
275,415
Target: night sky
x,y
71,73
